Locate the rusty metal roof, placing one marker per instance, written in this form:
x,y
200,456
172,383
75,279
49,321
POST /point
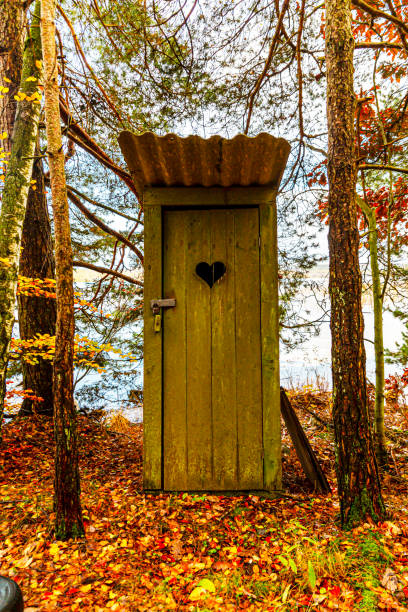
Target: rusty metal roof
x,y
171,160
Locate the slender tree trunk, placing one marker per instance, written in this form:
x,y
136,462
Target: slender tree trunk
x,y
15,192
357,474
37,315
380,441
68,522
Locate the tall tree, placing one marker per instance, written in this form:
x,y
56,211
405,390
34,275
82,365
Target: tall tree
x,y
68,522
12,17
357,473
37,314
16,187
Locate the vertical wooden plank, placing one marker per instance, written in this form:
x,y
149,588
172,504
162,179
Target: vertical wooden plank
x,y
270,347
174,353
224,400
248,349
198,339
152,409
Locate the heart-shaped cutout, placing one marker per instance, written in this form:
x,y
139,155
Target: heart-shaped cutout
x,y
210,274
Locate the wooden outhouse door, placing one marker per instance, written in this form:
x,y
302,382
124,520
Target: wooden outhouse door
x,y
212,389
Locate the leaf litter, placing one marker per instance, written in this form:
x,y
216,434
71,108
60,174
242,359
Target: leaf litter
x,y
195,552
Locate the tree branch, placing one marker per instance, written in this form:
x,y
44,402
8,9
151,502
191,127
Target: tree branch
x,y
378,45
94,76
77,202
105,206
82,139
268,62
383,167
375,12
102,270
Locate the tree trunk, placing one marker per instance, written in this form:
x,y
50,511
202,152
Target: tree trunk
x,y
12,18
357,473
37,315
380,441
68,522
15,192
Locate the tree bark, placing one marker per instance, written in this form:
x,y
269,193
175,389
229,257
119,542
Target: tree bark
x,y
12,18
15,193
68,521
357,473
37,315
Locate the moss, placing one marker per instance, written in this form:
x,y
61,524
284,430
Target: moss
x,y
63,534
361,508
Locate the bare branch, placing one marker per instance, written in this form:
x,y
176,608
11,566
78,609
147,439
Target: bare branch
x,y
102,270
383,167
105,206
77,202
82,139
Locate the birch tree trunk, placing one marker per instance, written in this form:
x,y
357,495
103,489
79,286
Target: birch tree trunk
x,y
68,522
15,192
357,473
380,442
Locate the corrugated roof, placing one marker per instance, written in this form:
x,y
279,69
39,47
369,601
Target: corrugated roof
x,y
171,160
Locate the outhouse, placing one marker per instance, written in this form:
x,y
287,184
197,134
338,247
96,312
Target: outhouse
x,y
211,347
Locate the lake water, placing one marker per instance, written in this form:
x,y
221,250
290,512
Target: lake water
x,y
309,363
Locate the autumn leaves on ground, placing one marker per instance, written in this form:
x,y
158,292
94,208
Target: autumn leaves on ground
x,y
197,552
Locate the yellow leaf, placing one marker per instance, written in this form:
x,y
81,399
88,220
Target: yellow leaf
x,y
7,80
197,593
54,549
31,78
38,64
86,588
285,593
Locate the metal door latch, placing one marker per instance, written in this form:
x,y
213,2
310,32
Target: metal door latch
x,y
156,305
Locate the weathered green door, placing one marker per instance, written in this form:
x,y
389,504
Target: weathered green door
x,y
212,395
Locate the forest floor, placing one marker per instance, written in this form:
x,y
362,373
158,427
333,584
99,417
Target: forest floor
x,y
197,552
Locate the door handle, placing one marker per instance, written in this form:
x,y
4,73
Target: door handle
x,y
155,305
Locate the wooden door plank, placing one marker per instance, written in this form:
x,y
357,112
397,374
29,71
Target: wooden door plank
x,y
270,347
174,356
152,410
224,404
248,349
198,354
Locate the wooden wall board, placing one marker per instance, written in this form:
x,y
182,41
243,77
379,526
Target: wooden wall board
x,y
152,414
175,450
223,366
248,349
270,349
